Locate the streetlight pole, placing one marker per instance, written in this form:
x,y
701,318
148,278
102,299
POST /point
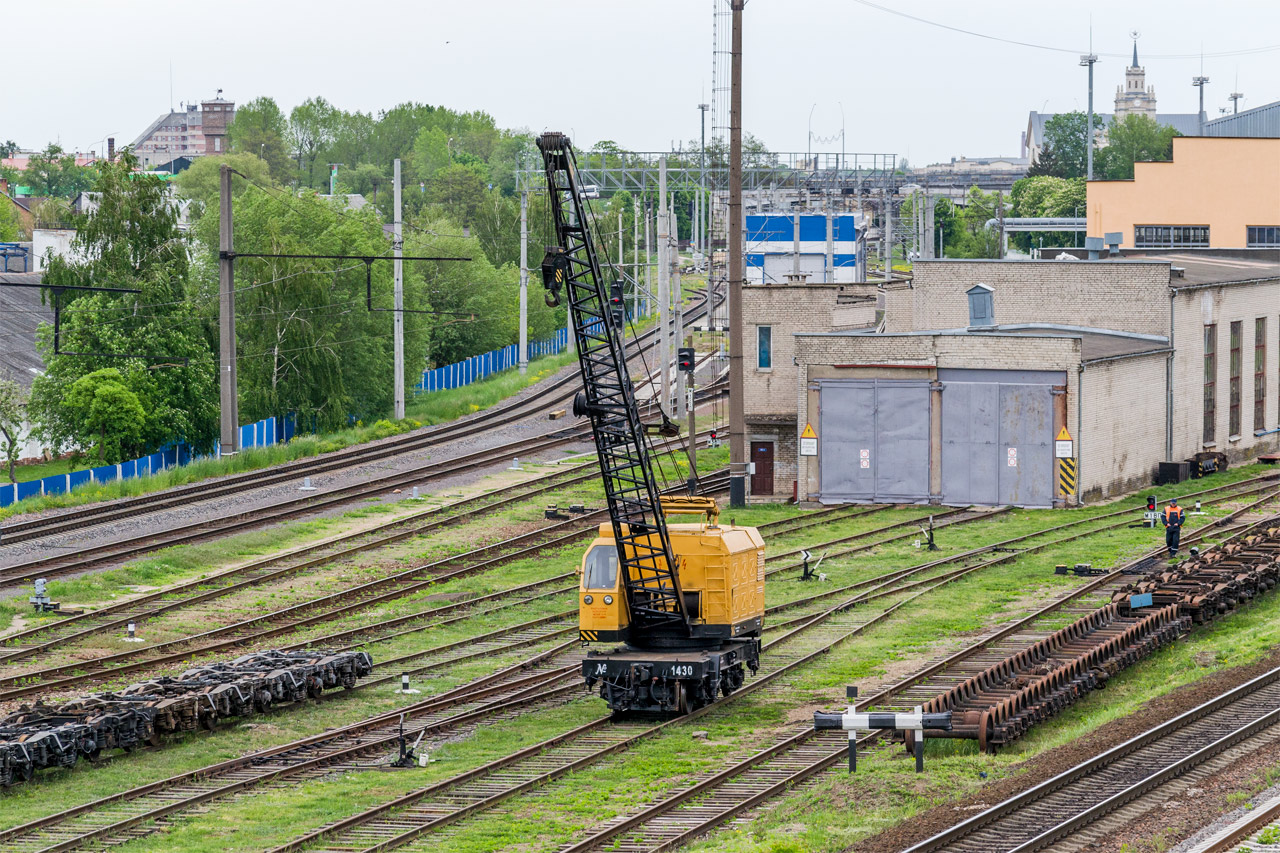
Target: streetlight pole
x,y
737,338
1199,82
1089,60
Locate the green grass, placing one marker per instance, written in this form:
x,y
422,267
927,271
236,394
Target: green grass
x,y
836,811
38,470
440,406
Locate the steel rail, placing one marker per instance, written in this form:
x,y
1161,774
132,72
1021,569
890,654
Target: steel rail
x,y
1086,768
705,823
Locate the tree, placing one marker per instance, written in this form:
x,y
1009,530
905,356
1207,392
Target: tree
x,y
8,148
459,191
310,130
202,182
107,413
53,172
260,128
10,225
1066,134
168,328
430,153
1046,164
13,405
1133,139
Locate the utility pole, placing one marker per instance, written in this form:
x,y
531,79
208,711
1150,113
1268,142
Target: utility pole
x,y
1089,60
1235,97
664,289
693,426
1199,82
888,230
635,258
648,257
397,246
230,411
677,306
737,409
704,217
522,357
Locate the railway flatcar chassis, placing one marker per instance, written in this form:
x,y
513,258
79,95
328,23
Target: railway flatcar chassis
x,y
664,682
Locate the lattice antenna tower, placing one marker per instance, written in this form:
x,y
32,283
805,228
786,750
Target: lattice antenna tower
x,y
721,32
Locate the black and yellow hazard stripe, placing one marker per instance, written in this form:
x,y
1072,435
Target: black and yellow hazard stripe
x,y
1067,476
588,636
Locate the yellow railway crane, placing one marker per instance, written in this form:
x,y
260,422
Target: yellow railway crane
x,y
685,601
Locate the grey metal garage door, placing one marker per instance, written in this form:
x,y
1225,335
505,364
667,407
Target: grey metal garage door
x,y
997,436
874,440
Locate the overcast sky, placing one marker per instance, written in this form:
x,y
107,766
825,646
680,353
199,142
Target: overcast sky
x,y
633,72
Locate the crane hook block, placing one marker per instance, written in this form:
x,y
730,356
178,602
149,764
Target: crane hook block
x,y
580,405
555,273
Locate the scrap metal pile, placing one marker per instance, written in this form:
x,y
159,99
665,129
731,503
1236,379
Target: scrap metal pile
x,y
42,735
1214,582
998,702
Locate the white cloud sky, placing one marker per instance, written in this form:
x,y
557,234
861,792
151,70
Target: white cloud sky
x,y
630,71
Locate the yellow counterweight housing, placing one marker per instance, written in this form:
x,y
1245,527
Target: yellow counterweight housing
x,y
721,570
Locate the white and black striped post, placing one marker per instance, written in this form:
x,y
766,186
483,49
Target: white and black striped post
x,y
854,721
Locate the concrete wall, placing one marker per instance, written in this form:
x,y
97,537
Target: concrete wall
x,y
49,239
1224,183
1129,296
1121,440
1193,309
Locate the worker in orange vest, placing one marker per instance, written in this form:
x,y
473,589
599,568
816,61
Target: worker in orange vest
x,y
1173,518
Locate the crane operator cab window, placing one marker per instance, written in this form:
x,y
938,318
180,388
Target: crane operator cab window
x,y
601,571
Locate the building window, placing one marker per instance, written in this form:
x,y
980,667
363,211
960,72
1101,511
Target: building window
x,y
1260,374
1264,236
1233,404
1210,381
764,347
982,310
1170,236
217,143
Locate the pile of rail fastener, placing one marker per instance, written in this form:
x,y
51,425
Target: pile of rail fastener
x,y
1001,701
40,736
1212,583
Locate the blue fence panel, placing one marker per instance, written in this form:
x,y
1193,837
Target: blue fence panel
x,y
54,485
104,473
478,367
29,489
8,494
129,469
79,478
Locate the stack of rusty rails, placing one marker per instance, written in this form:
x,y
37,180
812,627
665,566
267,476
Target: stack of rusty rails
x,y
1213,583
40,736
1002,702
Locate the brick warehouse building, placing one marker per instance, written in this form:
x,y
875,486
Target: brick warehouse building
x,y
958,395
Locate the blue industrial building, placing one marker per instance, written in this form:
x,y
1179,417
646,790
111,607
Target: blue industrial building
x,y
828,248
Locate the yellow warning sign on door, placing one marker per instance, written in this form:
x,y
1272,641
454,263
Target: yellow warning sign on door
x,y
808,441
1063,435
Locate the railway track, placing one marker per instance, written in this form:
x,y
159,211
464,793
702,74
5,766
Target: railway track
x,y
43,638
855,624
559,390
16,685
793,759
515,689
1068,804
437,807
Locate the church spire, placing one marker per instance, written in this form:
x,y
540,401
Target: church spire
x,y
1135,54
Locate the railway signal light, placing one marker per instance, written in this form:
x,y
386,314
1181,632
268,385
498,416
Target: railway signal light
x,y
685,359
1151,503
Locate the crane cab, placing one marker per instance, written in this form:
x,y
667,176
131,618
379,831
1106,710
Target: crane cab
x,y
721,572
